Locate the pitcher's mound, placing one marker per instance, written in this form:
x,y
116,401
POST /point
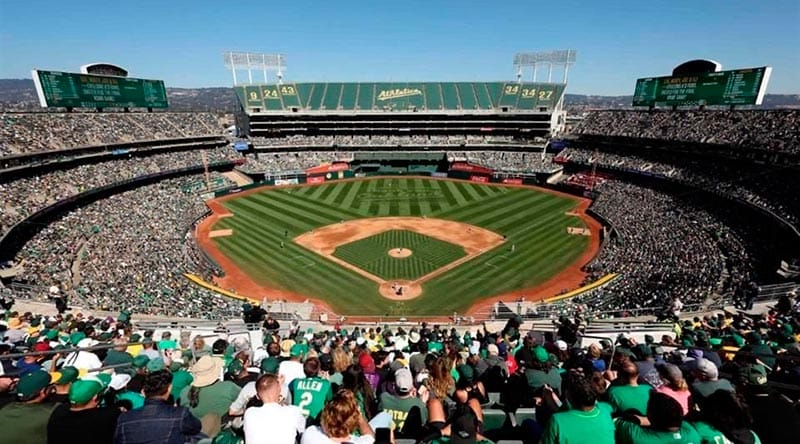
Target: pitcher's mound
x,y
400,290
400,252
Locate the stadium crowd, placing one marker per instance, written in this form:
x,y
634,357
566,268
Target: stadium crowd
x,y
22,133
503,161
775,130
128,250
772,189
663,246
389,140
23,197
720,378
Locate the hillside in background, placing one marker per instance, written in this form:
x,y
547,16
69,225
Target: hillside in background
x,y
19,95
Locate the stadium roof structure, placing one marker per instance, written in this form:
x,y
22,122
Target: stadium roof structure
x,y
401,97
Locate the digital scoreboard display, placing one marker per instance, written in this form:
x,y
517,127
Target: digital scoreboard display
x,y
735,87
73,90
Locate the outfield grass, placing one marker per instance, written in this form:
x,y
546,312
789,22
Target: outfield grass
x,y
371,254
534,221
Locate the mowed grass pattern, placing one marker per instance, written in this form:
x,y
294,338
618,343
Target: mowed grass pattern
x,y
372,254
532,220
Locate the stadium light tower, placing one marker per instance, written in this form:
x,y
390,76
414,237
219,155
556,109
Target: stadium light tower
x,y
559,58
255,61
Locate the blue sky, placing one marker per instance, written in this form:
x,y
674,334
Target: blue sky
x,y
617,41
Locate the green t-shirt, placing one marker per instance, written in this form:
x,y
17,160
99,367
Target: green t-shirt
x,y
215,398
537,378
25,422
626,397
579,427
180,380
311,394
710,435
631,433
399,408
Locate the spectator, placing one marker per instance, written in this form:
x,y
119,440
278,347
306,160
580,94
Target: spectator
x,y
707,380
208,394
157,421
674,385
664,424
272,421
401,404
312,392
629,396
25,419
71,422
585,414
340,420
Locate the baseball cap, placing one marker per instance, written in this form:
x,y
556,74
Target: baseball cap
x,y
492,349
754,374
140,361
561,345
155,364
403,380
466,373
31,384
83,390
270,365
540,353
68,374
464,428
297,350
707,368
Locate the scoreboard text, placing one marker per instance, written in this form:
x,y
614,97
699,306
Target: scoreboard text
x,y
72,90
736,87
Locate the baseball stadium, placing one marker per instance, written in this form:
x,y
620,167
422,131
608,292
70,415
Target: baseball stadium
x,y
479,249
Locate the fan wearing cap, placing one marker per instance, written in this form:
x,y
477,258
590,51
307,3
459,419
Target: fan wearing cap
x,y
25,420
157,420
312,392
400,404
292,368
541,371
208,393
707,380
118,354
63,380
70,422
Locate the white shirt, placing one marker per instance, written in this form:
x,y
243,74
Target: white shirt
x,y
273,423
83,360
314,435
291,370
245,394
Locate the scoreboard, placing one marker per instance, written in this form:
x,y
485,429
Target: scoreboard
x,y
735,87
72,90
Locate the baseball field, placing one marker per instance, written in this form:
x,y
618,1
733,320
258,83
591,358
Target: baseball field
x,y
397,246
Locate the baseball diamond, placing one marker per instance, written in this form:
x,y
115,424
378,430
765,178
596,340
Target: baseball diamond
x,y
531,225
371,254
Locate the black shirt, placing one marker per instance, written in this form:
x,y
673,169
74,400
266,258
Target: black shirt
x,y
85,426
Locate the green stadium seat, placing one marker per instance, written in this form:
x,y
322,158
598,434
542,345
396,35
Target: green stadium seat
x,y
349,93
493,419
317,94
433,96
400,96
333,94
467,96
482,94
450,95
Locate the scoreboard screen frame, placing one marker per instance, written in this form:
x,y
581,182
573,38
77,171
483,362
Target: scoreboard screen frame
x,y
111,91
701,89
